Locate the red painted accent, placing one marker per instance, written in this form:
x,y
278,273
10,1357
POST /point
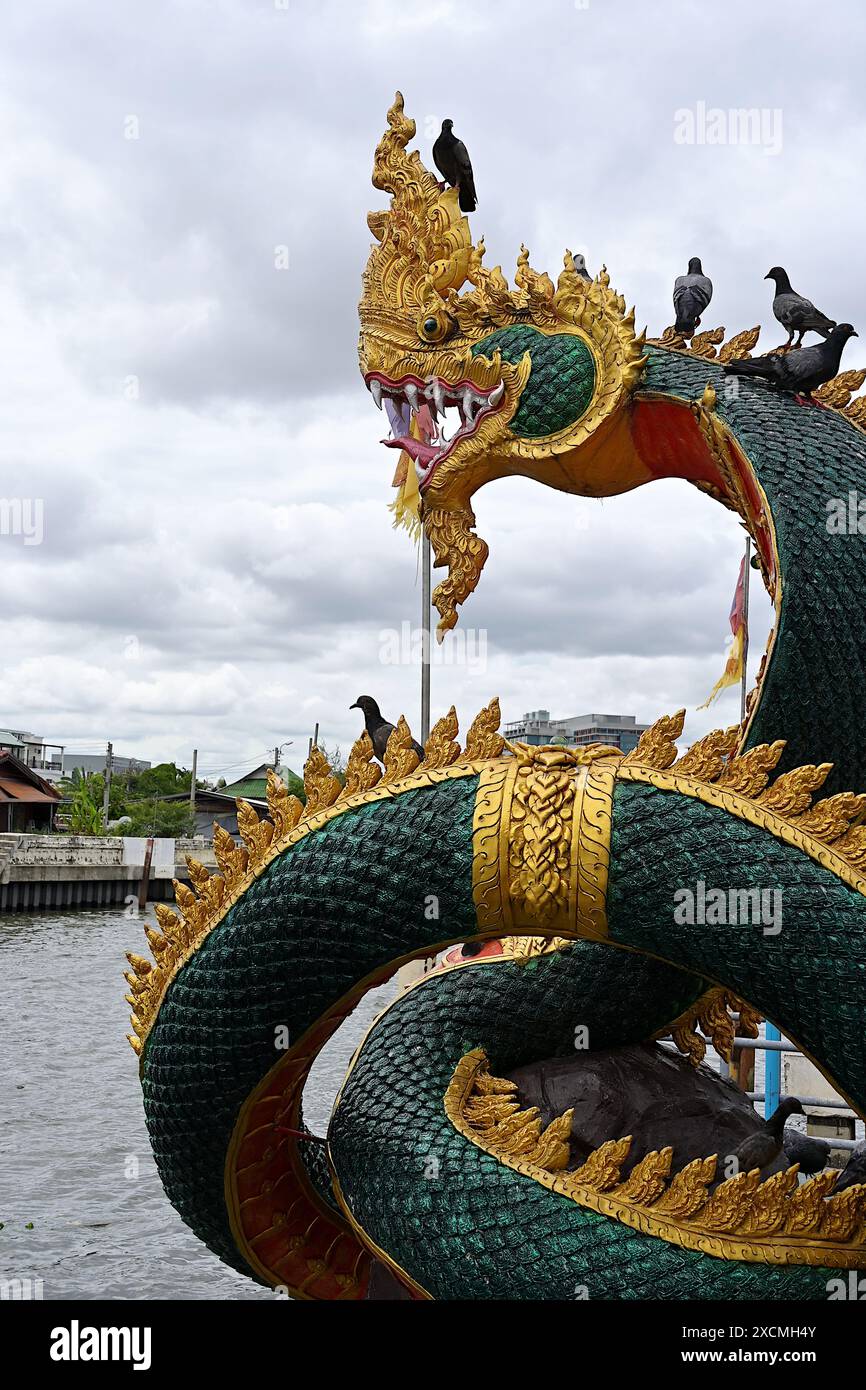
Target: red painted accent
x,y
671,445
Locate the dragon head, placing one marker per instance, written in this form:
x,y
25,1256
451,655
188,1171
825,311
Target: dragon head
x,y
534,377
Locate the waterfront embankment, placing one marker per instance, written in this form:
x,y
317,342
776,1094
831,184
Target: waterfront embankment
x,y
39,872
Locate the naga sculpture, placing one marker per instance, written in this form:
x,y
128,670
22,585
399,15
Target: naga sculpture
x,y
571,857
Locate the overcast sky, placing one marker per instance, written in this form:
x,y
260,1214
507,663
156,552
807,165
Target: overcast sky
x,y
217,564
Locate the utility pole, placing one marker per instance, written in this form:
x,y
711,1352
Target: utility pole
x,y
106,790
426,584
314,741
743,1059
192,784
746,572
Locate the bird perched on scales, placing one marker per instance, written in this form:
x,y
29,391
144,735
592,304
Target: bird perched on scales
x,y
692,293
759,1150
378,727
801,372
855,1169
809,1153
451,158
795,313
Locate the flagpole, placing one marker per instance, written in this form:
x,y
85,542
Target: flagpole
x,y
746,572
426,605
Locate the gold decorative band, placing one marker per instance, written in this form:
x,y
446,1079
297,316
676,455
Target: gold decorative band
x,y
490,845
541,841
590,851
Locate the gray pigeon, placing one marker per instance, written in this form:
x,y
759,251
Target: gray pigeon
x,y
801,372
580,266
451,158
378,727
692,294
760,1148
795,313
804,1149
855,1169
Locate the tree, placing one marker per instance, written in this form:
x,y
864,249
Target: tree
x,y
84,791
171,819
163,780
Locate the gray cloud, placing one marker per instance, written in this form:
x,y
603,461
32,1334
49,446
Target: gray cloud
x,y
218,561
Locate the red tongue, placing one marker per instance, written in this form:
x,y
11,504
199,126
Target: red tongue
x,y
420,449
416,448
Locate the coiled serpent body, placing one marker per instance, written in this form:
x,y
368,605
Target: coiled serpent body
x,y
336,901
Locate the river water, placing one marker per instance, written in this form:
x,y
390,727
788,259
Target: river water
x,y
81,1206
72,1125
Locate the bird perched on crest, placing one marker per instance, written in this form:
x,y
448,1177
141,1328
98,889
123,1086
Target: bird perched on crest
x,y
378,728
580,266
809,1153
855,1169
795,313
451,158
692,294
801,372
760,1148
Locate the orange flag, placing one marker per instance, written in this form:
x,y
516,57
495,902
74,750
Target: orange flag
x,y
733,672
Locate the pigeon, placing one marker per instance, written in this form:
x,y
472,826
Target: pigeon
x,y
765,1144
810,1153
855,1169
580,266
692,294
796,314
378,728
451,158
800,372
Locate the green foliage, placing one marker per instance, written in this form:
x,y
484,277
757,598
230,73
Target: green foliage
x,y
85,811
296,785
166,779
169,819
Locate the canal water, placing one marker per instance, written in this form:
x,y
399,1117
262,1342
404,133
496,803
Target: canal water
x,y
71,1120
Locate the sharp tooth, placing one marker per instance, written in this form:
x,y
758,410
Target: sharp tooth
x,y
496,396
439,396
411,393
376,392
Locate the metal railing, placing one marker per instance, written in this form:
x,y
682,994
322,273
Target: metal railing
x,y
773,1045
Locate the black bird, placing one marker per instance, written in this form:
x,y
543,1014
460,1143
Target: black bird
x,y
855,1169
810,1153
580,266
766,1143
801,372
451,158
692,294
377,727
795,313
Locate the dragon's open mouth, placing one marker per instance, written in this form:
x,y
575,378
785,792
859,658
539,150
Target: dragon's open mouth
x,y
435,436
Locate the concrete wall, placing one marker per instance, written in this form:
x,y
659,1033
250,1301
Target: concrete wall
x,y
39,871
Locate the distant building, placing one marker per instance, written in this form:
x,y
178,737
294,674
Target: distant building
x,y
95,762
255,784
27,801
537,727
220,803
217,806
33,751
